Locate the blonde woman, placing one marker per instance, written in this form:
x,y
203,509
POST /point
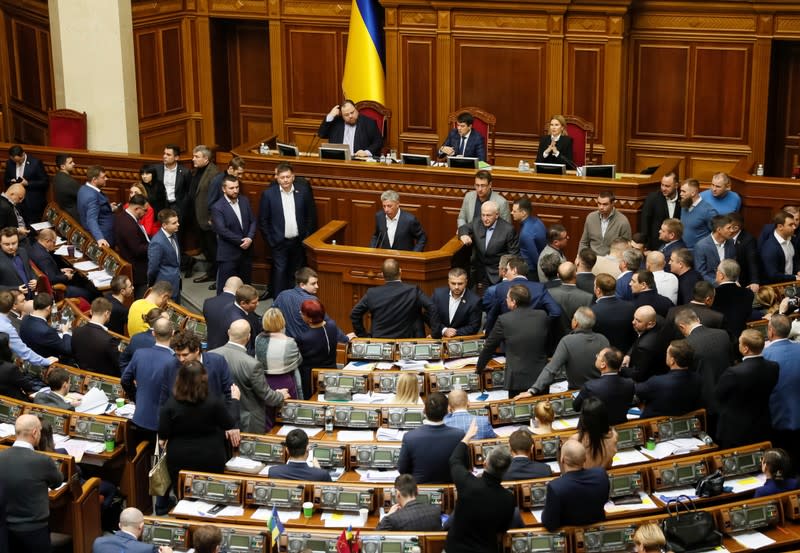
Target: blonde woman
x,y
544,415
649,538
556,145
407,390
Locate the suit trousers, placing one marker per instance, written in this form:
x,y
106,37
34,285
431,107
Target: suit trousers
x,y
31,541
287,257
242,267
208,243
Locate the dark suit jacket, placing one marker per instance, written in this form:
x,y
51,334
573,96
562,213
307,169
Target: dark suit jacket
x,y
414,516
47,263
473,148
183,180
409,236
143,379
647,354
229,232
523,468
44,339
9,278
13,382
708,318
26,475
213,309
231,313
396,309
485,260
367,135
686,283
119,315
667,250
661,304
198,195
138,341
467,318
774,261
163,263
743,396
271,222
524,333
616,392
65,189
712,355
564,147
121,542
95,214
132,245
672,394
219,378
654,211
52,399
299,471
35,192
614,318
736,304
576,498
747,257
8,217
569,298
540,299
425,451
585,281
95,350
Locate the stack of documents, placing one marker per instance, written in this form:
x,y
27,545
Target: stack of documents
x,y
94,402
100,278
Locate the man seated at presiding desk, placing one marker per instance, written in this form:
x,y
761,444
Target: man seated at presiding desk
x,y
408,513
462,141
396,229
296,468
522,467
344,125
126,539
579,495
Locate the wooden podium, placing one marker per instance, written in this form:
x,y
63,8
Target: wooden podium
x,y
346,272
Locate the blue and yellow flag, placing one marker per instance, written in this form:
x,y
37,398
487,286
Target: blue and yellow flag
x,y
275,526
363,65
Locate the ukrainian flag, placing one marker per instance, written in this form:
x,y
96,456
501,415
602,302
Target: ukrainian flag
x,y
363,66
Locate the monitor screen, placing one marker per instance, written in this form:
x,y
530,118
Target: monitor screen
x,y
335,151
415,159
550,169
602,171
288,150
463,162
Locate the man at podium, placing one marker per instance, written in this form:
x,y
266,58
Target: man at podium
x,y
396,229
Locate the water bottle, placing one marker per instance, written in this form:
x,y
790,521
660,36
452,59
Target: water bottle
x,y
760,170
54,315
521,166
328,420
527,167
708,440
383,158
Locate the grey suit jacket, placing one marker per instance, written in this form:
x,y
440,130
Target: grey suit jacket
x,y
53,400
575,352
548,249
570,298
468,207
200,199
249,376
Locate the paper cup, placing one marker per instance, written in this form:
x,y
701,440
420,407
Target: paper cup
x,y
308,509
364,515
120,402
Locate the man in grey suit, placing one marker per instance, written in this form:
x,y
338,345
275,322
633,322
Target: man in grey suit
x,y
58,381
474,199
524,333
248,374
131,526
568,295
408,513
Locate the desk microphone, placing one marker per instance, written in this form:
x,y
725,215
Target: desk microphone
x,y
380,240
314,142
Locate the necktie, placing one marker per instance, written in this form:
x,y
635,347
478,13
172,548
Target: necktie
x,y
463,144
175,246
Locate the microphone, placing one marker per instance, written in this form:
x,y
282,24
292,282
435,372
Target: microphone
x,y
379,241
313,144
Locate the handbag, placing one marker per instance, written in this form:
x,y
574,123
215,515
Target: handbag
x,y
159,475
710,485
690,530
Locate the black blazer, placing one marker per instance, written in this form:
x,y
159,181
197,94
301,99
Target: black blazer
x,y
708,318
616,392
65,189
672,394
367,135
95,350
713,353
425,451
485,260
26,476
36,190
131,243
523,468
47,263
397,311
654,211
12,381
9,278
613,320
271,222
564,147
473,148
183,180
736,304
576,498
467,318
747,257
44,339
414,516
8,218
409,236
743,396
213,312
661,304
686,283
647,355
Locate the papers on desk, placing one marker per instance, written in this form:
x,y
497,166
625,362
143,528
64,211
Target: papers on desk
x,y
77,448
753,540
410,365
746,483
6,430
554,466
87,265
371,475
342,520
505,431
94,402
363,398
41,226
243,464
460,363
203,508
100,278
537,514
494,395
628,457
365,366
126,411
569,423
311,431
647,503
666,495
558,387
265,514
384,365
678,446
355,435
389,434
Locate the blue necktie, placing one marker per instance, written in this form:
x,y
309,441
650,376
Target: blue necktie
x,y
462,146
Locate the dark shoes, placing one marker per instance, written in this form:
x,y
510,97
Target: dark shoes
x,y
205,278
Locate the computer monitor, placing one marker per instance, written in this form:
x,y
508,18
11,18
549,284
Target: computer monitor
x,y
335,151
463,162
288,150
602,171
415,159
551,169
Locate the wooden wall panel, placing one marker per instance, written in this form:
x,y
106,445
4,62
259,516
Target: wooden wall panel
x,y
661,77
419,80
147,88
584,93
314,69
720,99
159,57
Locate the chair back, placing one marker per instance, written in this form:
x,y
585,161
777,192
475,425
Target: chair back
x,y
483,122
582,134
378,113
67,129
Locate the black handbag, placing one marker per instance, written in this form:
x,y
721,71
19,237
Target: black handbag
x,y
711,485
688,529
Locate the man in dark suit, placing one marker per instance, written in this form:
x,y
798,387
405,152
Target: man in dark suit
x,y
243,307
95,211
344,125
15,267
214,307
524,332
120,296
707,250
746,252
785,397
675,393
578,496
132,241
57,381
522,467
198,216
235,226
284,228
463,140
11,211
175,179
92,346
643,286
25,476
41,253
613,315
36,332
681,263
646,356
65,188
28,171
584,279
296,467
397,308
408,513
492,237
743,393
780,255
396,229
659,205
426,447
163,254
235,169
732,300
131,526
615,391
568,295
671,235
458,309
701,303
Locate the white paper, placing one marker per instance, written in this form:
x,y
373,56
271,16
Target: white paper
x,y
390,434
94,402
192,507
537,514
673,447
7,429
505,431
372,475
558,387
554,466
87,265
494,395
244,464
63,251
355,435
364,366
384,365
461,363
666,495
231,511
311,431
569,423
127,411
411,365
342,520
628,457
265,514
647,503
41,226
753,540
746,483
77,448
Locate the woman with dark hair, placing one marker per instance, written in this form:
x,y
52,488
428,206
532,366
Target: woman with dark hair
x,y
317,344
154,189
194,424
12,382
596,435
777,467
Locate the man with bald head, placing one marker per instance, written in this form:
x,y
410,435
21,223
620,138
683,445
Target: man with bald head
x,y
215,306
490,237
666,283
41,252
25,476
250,376
568,296
131,526
577,496
11,211
647,354
459,417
